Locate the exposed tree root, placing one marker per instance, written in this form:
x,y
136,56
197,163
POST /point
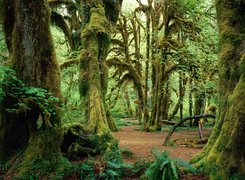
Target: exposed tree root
x,y
80,142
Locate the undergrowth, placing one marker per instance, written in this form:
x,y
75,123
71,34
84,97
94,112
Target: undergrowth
x,y
13,88
110,165
165,167
122,122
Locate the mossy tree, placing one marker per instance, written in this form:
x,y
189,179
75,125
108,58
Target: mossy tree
x,y
94,71
128,65
32,56
223,156
99,17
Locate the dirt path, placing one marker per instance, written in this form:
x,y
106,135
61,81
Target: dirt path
x,y
141,143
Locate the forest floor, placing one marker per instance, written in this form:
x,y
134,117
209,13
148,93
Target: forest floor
x,y
140,143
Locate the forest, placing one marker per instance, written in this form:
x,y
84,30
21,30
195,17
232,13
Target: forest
x,y
122,89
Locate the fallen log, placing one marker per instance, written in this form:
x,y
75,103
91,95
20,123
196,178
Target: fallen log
x,y
197,117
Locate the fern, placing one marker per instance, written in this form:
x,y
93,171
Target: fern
x,y
162,168
185,165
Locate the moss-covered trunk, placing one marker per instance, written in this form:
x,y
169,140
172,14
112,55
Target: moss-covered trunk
x,y
224,155
95,135
199,104
130,109
95,41
34,60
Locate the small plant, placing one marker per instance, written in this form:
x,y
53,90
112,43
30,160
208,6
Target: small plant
x,y
165,167
162,168
185,166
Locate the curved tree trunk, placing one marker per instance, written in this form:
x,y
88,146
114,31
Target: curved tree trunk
x,y
34,60
225,151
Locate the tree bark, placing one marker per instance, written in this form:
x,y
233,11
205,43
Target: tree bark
x,y
99,16
34,61
130,109
224,155
190,96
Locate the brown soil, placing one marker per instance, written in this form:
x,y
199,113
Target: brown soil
x,y
141,143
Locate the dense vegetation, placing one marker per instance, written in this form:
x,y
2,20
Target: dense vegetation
x,y
68,69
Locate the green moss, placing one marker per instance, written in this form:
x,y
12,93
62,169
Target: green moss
x,y
98,24
42,158
221,157
78,142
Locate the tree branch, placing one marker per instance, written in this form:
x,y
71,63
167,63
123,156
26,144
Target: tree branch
x,y
68,63
167,139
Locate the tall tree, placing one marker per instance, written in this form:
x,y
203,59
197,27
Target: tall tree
x,y
224,155
32,56
99,17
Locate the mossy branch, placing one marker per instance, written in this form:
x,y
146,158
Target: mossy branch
x,y
59,21
69,63
60,2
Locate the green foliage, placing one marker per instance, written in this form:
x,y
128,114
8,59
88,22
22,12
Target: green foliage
x,y
108,166
162,168
185,166
165,167
25,97
123,122
3,48
114,155
2,169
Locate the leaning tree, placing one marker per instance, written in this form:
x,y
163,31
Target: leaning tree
x,y
32,57
224,155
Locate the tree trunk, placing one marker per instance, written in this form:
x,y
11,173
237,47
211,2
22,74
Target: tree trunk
x,y
99,16
199,104
224,155
166,102
181,94
190,97
146,111
130,109
34,60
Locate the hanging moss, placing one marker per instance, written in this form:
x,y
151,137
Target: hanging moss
x,y
95,135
